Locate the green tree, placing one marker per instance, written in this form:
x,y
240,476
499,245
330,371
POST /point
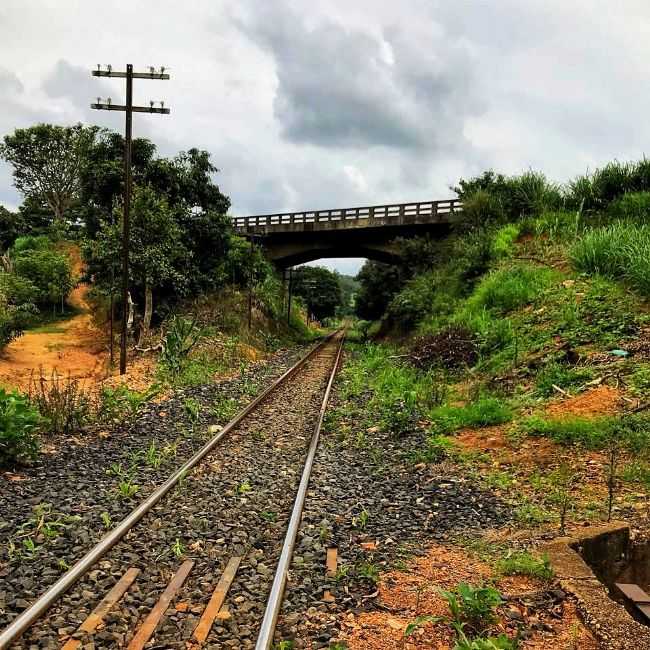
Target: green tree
x,y
48,271
158,256
47,163
319,288
378,284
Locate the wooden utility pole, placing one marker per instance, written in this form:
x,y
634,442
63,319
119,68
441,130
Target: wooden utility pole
x,y
129,109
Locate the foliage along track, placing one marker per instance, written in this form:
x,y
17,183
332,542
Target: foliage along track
x,y
235,503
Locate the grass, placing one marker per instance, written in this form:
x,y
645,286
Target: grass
x,y
483,412
509,288
620,251
523,563
561,375
590,433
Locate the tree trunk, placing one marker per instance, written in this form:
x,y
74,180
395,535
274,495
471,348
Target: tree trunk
x,y
148,308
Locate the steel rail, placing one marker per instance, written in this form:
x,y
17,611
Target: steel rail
x,y
14,630
267,629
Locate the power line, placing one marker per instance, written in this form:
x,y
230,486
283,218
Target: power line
x,y
129,109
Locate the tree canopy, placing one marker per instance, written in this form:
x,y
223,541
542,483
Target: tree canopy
x,y
47,163
319,288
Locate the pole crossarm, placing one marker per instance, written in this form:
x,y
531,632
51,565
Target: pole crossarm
x,y
135,109
136,75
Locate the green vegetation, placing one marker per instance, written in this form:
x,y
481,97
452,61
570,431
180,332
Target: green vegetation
x,y
524,564
19,422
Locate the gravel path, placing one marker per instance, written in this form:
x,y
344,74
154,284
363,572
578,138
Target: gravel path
x,y
236,502
365,491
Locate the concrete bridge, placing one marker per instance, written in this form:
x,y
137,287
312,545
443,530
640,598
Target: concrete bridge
x,y
293,238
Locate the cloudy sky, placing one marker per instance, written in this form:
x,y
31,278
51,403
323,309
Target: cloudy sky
x,y
311,104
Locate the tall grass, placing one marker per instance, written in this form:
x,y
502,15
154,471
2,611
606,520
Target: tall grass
x,y
620,251
510,288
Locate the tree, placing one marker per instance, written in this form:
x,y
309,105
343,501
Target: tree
x,y
12,225
320,290
379,283
158,256
48,161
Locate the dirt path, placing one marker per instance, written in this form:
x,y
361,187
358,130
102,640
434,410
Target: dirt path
x,y
74,346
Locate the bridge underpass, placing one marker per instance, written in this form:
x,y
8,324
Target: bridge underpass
x,y
293,238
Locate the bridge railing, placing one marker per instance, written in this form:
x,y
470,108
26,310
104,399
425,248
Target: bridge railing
x,y
435,210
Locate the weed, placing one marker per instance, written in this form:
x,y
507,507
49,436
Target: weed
x,y
473,607
244,488
368,571
63,565
362,520
192,409
182,335
342,572
285,645
63,403
531,514
126,489
120,402
419,622
178,549
106,520
269,516
501,642
436,449
153,456
588,432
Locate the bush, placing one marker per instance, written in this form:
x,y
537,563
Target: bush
x,y
48,271
19,421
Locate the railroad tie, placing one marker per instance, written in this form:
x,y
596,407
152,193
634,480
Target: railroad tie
x,y
95,618
214,607
146,630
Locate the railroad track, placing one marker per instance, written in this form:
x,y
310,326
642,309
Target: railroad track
x,y
191,565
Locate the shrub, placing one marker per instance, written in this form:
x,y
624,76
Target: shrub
x,y
507,289
48,271
19,421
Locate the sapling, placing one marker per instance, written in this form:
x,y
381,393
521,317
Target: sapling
x,y
561,482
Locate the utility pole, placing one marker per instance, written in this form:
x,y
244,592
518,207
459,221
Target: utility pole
x,y
129,109
250,283
289,296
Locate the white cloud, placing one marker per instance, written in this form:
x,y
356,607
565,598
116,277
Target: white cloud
x,y
331,103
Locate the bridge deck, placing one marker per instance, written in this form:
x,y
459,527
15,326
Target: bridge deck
x,y
367,216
